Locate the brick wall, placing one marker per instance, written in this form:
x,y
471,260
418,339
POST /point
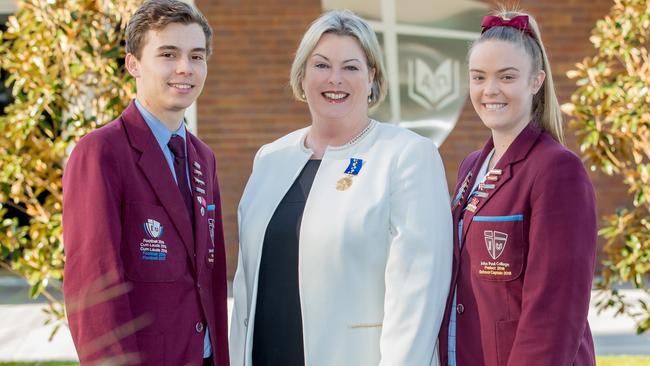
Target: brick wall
x,y
247,102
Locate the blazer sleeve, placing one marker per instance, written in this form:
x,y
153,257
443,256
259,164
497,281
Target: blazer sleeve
x,y
560,265
418,270
220,276
95,289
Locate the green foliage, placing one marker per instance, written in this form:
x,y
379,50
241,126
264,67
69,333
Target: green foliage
x,y
611,112
64,64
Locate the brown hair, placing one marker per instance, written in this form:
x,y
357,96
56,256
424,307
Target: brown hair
x,y
546,108
157,14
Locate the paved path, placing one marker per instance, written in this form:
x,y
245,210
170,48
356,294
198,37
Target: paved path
x,y
23,337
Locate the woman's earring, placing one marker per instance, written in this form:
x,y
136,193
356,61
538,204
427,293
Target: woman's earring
x,y
369,98
303,96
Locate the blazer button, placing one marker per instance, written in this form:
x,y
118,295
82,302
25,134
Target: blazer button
x,y
199,327
460,308
246,322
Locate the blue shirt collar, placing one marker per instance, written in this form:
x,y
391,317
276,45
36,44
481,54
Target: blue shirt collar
x,y
160,132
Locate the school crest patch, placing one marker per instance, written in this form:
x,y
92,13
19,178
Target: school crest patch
x,y
495,241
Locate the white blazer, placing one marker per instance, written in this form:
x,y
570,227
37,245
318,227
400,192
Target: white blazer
x,y
374,260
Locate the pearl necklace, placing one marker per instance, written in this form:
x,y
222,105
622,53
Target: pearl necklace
x,y
363,133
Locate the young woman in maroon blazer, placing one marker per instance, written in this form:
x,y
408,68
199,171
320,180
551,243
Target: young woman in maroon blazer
x,y
524,216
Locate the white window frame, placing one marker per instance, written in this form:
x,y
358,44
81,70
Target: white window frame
x,y
390,29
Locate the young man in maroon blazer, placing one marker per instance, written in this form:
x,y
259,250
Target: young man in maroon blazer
x,y
145,274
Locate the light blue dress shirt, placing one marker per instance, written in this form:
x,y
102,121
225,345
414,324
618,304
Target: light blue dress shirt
x,y
451,338
162,135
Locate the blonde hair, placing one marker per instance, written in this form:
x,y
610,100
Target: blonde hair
x,y
341,23
545,108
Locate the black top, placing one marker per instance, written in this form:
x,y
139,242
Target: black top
x,y
277,336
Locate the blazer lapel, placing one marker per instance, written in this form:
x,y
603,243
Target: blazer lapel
x,y
502,171
459,210
458,204
283,165
155,168
200,194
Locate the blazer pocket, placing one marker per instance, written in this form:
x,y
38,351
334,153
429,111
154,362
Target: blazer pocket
x,y
152,250
497,247
366,325
505,337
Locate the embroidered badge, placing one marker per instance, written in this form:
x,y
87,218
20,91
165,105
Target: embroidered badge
x,y
484,186
352,170
153,248
495,241
153,228
472,205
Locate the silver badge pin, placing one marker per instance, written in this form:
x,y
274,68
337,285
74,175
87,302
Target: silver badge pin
x,y
481,194
211,229
197,165
198,181
198,172
483,186
202,211
496,171
200,190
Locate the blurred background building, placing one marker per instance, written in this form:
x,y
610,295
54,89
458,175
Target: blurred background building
x,y
247,101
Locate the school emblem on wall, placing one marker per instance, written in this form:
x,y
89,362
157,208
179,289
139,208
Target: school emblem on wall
x,y
495,241
153,229
431,88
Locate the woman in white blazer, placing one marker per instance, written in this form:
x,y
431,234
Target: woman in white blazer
x,y
344,226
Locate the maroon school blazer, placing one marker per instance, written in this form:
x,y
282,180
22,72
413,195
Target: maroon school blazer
x,y
523,276
140,279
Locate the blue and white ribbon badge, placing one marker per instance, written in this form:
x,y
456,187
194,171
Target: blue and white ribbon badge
x,y
352,170
354,167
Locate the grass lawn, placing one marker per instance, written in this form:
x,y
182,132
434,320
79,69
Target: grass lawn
x,y
600,361
623,361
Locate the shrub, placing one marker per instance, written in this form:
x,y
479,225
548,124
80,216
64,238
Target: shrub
x,y
610,111
64,60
